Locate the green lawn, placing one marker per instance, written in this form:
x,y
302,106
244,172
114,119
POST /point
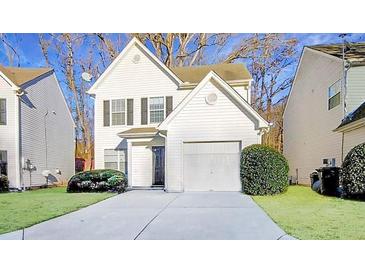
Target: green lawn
x,y
307,215
18,210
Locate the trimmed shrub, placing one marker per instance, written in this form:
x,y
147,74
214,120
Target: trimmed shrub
x,y
4,183
264,171
353,172
98,180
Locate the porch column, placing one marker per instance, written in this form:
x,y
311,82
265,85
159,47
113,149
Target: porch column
x,y
129,162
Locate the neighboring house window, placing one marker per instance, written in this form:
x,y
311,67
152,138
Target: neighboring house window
x,y
2,111
3,162
115,159
334,95
157,110
118,112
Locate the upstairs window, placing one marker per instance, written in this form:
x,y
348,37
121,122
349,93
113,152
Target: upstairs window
x,y
118,112
334,95
157,110
2,111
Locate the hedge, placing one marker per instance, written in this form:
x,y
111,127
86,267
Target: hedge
x,y
4,183
98,180
353,172
264,171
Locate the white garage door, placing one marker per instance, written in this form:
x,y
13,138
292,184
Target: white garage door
x,y
212,166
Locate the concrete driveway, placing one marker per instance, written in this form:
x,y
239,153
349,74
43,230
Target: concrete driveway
x,y
154,214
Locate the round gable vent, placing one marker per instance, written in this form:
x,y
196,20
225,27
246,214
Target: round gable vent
x,y
136,58
211,98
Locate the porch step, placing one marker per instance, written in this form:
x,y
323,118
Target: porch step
x,y
147,188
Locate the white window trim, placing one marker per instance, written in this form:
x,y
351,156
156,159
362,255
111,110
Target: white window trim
x,y
330,97
111,112
118,158
148,109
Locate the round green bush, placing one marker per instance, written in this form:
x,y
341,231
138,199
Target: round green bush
x,y
98,180
264,171
353,172
4,183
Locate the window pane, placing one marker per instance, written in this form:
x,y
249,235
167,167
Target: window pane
x,y
111,158
118,112
156,109
156,116
111,166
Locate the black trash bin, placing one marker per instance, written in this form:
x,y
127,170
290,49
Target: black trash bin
x,y
314,178
330,180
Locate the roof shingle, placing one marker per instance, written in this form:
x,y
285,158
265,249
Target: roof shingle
x,y
21,76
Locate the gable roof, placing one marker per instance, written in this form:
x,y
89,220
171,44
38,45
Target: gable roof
x,y
236,96
21,76
182,75
228,72
143,48
354,52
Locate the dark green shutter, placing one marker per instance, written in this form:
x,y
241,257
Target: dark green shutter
x,y
144,114
168,105
2,111
129,112
106,111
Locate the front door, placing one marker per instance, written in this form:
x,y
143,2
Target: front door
x,y
158,166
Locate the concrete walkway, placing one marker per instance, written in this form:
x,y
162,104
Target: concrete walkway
x,y
153,214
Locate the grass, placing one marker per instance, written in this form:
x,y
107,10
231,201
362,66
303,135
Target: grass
x,y
19,210
307,215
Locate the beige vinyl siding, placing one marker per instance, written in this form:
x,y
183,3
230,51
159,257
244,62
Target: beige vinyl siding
x,y
355,88
308,124
41,96
129,80
353,138
223,121
9,140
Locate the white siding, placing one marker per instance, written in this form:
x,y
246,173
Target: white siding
x,y
355,87
58,147
199,121
308,124
9,140
129,80
243,91
353,138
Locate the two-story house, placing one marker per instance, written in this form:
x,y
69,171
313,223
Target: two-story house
x,y
36,128
181,129
323,115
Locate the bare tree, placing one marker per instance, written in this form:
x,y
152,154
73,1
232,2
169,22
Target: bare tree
x,y
11,51
268,56
70,55
182,49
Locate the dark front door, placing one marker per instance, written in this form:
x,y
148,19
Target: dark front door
x,y
158,166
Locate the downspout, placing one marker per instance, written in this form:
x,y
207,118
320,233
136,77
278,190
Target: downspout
x,y
165,137
19,93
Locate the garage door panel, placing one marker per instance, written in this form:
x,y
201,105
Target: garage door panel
x,y
211,166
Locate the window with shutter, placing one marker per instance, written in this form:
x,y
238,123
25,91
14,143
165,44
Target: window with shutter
x,y
144,114
106,113
156,109
118,112
2,111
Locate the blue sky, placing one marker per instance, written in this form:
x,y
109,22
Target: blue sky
x,y
31,56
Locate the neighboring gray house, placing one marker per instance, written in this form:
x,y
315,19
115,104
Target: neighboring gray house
x,y
181,129
322,119
36,128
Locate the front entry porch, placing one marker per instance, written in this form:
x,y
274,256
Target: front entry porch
x,y
146,158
